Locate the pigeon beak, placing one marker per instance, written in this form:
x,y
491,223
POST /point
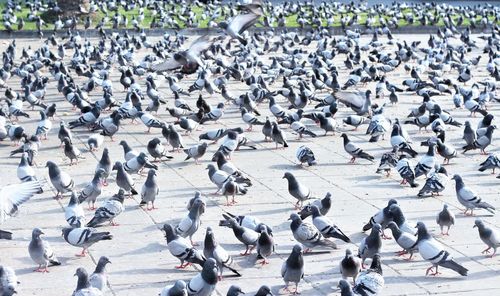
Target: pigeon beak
x,y
41,232
289,219
474,226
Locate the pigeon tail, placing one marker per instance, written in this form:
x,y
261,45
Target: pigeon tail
x,y
486,206
455,266
5,234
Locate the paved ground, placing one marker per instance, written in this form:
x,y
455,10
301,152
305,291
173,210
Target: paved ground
x,y
141,264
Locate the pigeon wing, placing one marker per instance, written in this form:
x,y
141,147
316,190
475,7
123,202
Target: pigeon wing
x,y
12,196
243,21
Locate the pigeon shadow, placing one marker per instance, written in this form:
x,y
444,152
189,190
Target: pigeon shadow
x,y
150,248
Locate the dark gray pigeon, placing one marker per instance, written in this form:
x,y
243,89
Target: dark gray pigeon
x,y
349,266
431,250
104,164
481,142
370,245
445,218
469,198
492,162
196,152
212,249
123,179
246,236
61,181
179,288
204,283
292,269
489,236
92,190
83,287
157,150
265,245
128,152
41,252
297,190
304,154
150,190
71,151
278,136
109,210
234,291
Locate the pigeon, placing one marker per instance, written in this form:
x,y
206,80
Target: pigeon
x,y
138,163
99,279
95,141
8,281
278,136
489,236
265,244
247,236
326,226
481,142
240,24
267,130
149,121
405,240
234,291
105,165
307,234
406,171
435,183
469,135
44,125
327,124
492,162
249,118
345,288
188,226
323,205
60,180
220,177
370,281
370,245
398,217
445,218
264,290
157,150
355,120
186,59
109,210
123,179
231,188
354,150
468,198
150,190
196,152
11,197
92,190
179,288
41,252
204,283
25,172
302,130
349,266
180,248
84,237
71,151
297,190
73,213
128,152
292,269
431,250
446,151
212,249
247,221
382,217
304,154
83,287
426,162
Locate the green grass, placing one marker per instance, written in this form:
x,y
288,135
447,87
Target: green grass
x,y
291,20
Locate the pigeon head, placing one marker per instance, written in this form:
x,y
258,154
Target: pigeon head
x,y
488,118
234,291
73,199
36,233
264,290
376,228
348,253
170,234
180,285
117,166
297,249
288,176
315,211
151,173
457,178
294,217
478,223
232,135
66,141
